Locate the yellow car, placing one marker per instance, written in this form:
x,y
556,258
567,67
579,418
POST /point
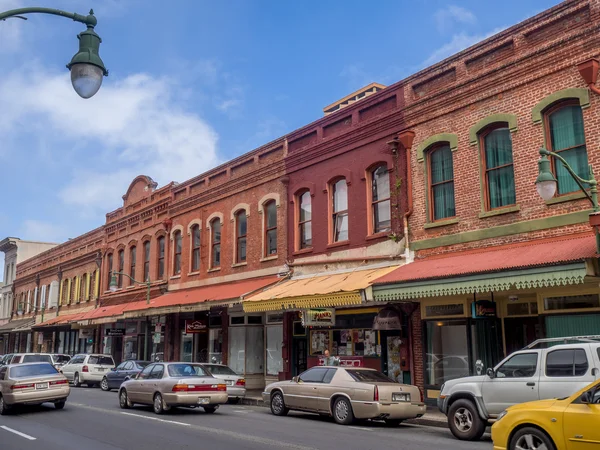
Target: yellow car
x,y
571,423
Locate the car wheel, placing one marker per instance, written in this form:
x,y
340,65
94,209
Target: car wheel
x,y
393,422
104,385
158,405
210,409
531,439
464,421
278,407
60,405
76,381
342,411
124,402
3,407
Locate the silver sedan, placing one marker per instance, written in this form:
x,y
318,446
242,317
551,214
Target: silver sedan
x,y
236,384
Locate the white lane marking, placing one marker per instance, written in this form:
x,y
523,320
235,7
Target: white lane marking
x,y
18,433
242,411
157,419
361,428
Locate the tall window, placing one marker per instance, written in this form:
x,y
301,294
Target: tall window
x,y
441,183
498,163
109,267
241,229
270,211
566,137
83,287
339,207
195,248
304,220
161,257
121,267
177,256
215,236
132,258
146,261
380,200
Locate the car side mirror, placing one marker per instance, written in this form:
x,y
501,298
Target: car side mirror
x,y
491,373
295,379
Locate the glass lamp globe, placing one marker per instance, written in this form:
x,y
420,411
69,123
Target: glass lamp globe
x,y
546,189
86,79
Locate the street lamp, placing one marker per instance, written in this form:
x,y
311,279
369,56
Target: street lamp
x,y
87,68
546,185
114,285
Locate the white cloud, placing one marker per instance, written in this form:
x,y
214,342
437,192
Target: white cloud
x,y
10,29
447,18
37,230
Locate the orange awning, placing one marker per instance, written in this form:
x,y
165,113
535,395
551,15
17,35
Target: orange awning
x,y
61,320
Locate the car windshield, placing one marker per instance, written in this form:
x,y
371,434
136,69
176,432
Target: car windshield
x,y
216,369
104,360
32,370
60,359
186,370
369,376
37,358
142,364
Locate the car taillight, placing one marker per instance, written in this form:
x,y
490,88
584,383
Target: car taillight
x,y
199,387
240,382
85,369
16,387
376,394
58,382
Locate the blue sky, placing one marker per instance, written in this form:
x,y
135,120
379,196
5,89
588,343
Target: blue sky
x,y
194,83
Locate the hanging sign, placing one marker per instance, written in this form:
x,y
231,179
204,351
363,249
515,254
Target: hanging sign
x,y
86,333
114,332
156,338
387,319
483,308
318,317
194,326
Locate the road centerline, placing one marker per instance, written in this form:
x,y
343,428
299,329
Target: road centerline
x,y
18,433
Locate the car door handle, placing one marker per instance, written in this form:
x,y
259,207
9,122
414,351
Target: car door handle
x,y
531,383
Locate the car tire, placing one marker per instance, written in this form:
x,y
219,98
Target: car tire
x,y
393,422
278,407
210,409
124,402
158,404
464,421
531,438
60,405
4,408
104,385
342,411
76,381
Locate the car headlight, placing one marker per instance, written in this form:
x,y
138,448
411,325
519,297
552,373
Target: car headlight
x,y
501,415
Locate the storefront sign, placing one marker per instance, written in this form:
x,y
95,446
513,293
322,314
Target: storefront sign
x,y
114,332
156,338
40,338
318,317
483,308
387,319
86,333
194,326
158,328
455,309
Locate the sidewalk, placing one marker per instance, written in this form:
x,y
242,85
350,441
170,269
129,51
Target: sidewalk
x,y
433,417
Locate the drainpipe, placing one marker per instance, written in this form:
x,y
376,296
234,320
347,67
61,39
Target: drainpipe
x,y
589,72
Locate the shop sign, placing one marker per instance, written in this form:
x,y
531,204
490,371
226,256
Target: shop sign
x,y
158,328
86,333
40,338
194,326
156,338
387,319
114,332
483,308
455,309
318,317
345,361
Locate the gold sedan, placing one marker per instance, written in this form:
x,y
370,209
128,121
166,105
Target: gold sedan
x,y
346,394
32,384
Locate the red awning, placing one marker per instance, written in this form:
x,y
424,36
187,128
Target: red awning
x,y
61,320
523,255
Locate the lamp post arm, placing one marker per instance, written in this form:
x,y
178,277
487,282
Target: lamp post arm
x,y
130,277
88,20
147,283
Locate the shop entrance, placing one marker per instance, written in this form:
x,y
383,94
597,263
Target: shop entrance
x,y
519,332
392,345
300,348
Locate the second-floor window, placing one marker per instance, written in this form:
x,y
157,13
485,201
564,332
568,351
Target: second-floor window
x,y
241,229
270,211
161,257
496,144
381,215
121,267
132,258
195,248
304,228
177,256
215,236
83,288
441,183
109,268
146,261
339,208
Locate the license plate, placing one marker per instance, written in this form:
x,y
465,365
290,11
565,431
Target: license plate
x,y
401,397
41,385
229,383
100,369
203,400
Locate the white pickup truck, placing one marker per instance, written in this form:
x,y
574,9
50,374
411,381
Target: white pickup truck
x,y
547,368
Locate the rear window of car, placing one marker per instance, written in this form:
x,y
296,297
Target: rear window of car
x,y
59,359
369,376
37,358
103,360
186,370
32,370
142,364
220,370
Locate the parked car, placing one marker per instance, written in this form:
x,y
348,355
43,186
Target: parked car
x,y
121,373
534,373
87,369
20,358
32,384
168,385
568,423
346,394
5,359
60,360
236,384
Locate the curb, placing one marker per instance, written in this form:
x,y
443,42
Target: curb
x,y
425,421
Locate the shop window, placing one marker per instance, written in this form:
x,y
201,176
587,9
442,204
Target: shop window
x,y
319,341
238,320
381,217
521,309
255,320
177,255
275,318
445,342
304,226
195,248
441,183
523,365
215,232
273,350
566,136
241,230
572,302
354,342
121,256
497,158
146,261
270,221
314,375
215,345
215,320
83,289
246,350
339,211
161,257
132,258
566,363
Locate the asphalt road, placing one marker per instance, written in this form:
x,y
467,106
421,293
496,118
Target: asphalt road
x,y
92,420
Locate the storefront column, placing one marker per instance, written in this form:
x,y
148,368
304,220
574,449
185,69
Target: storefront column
x,y
416,324
225,328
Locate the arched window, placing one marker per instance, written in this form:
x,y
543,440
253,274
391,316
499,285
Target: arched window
x,y
441,183
241,229
161,257
195,248
109,268
339,210
215,237
565,135
132,258
496,153
146,261
270,221
121,255
177,253
381,215
304,217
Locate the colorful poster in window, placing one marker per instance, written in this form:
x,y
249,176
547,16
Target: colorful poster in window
x,y
393,358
